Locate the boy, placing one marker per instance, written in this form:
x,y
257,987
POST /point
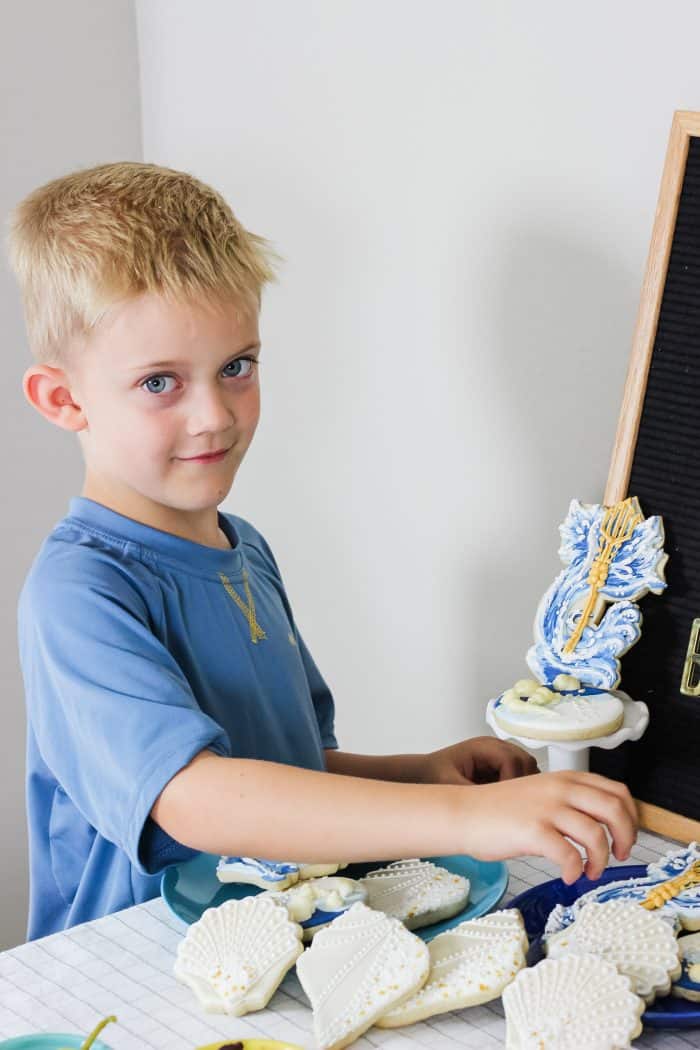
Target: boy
x,y
172,703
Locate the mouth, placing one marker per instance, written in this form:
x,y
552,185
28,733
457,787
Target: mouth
x,y
207,457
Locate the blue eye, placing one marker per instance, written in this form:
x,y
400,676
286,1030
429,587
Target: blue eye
x,y
249,361
158,381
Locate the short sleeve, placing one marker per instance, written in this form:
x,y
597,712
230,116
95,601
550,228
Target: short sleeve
x,y
113,715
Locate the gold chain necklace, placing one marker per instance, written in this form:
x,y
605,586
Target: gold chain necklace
x,y
256,631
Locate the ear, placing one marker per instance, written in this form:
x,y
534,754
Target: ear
x,y
48,390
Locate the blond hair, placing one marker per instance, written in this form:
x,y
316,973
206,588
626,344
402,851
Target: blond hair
x,y
84,242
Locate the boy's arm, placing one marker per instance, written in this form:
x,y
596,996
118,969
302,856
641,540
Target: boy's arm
x,y
402,768
247,807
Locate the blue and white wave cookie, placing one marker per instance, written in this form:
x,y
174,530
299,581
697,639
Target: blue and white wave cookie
x,y
688,984
270,874
563,710
671,888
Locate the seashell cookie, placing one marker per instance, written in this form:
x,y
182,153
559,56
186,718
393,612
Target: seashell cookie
x,y
688,984
235,956
314,903
416,891
469,964
670,888
640,944
571,1003
356,969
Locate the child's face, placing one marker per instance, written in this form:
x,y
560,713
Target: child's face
x,y
145,419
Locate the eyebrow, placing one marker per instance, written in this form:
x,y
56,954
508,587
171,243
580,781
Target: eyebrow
x,y
178,364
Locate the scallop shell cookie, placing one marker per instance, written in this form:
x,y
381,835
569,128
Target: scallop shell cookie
x,y
416,891
469,964
640,944
571,1003
235,957
356,969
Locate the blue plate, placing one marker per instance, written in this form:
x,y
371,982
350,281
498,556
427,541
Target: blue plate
x,y
536,904
49,1041
190,888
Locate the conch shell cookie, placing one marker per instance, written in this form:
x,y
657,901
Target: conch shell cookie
x,y
416,891
640,944
469,964
573,1003
235,956
356,969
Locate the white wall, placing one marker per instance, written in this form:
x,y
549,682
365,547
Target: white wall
x,y
69,98
464,193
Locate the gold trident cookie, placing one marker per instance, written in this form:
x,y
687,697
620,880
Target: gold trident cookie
x,y
617,526
665,891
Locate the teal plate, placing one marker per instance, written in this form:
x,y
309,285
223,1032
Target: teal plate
x,y
190,888
49,1041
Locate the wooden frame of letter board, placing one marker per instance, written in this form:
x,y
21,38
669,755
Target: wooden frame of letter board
x,y
646,765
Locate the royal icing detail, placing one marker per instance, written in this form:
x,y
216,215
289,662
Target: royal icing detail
x,y
688,984
670,888
471,963
270,873
318,900
415,891
356,969
558,713
571,1003
640,944
235,956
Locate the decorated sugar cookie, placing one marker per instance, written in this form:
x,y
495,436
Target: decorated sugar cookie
x,y
687,986
314,903
471,963
416,891
585,622
640,944
571,1003
670,888
356,969
270,874
235,956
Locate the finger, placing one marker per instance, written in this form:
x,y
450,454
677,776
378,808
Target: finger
x,y
589,834
551,844
613,787
609,809
510,767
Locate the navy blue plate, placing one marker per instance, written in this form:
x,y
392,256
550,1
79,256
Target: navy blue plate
x,y
190,888
536,904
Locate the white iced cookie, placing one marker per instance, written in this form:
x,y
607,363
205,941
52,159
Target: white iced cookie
x,y
640,944
235,956
356,969
317,902
570,1004
315,871
548,714
416,891
469,964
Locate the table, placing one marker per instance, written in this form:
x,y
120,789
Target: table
x,y
122,964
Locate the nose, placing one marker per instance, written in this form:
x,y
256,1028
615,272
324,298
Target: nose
x,y
208,411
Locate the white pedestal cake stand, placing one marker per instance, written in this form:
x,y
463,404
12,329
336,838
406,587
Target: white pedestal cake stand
x,y
574,754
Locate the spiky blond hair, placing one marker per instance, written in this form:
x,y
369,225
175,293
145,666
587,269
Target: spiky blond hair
x,y
88,240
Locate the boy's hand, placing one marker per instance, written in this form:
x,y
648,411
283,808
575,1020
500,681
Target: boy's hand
x,y
480,760
539,815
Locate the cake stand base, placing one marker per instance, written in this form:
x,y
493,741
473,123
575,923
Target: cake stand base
x,y
573,755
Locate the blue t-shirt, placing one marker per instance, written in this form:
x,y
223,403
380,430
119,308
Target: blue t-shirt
x,y
136,655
